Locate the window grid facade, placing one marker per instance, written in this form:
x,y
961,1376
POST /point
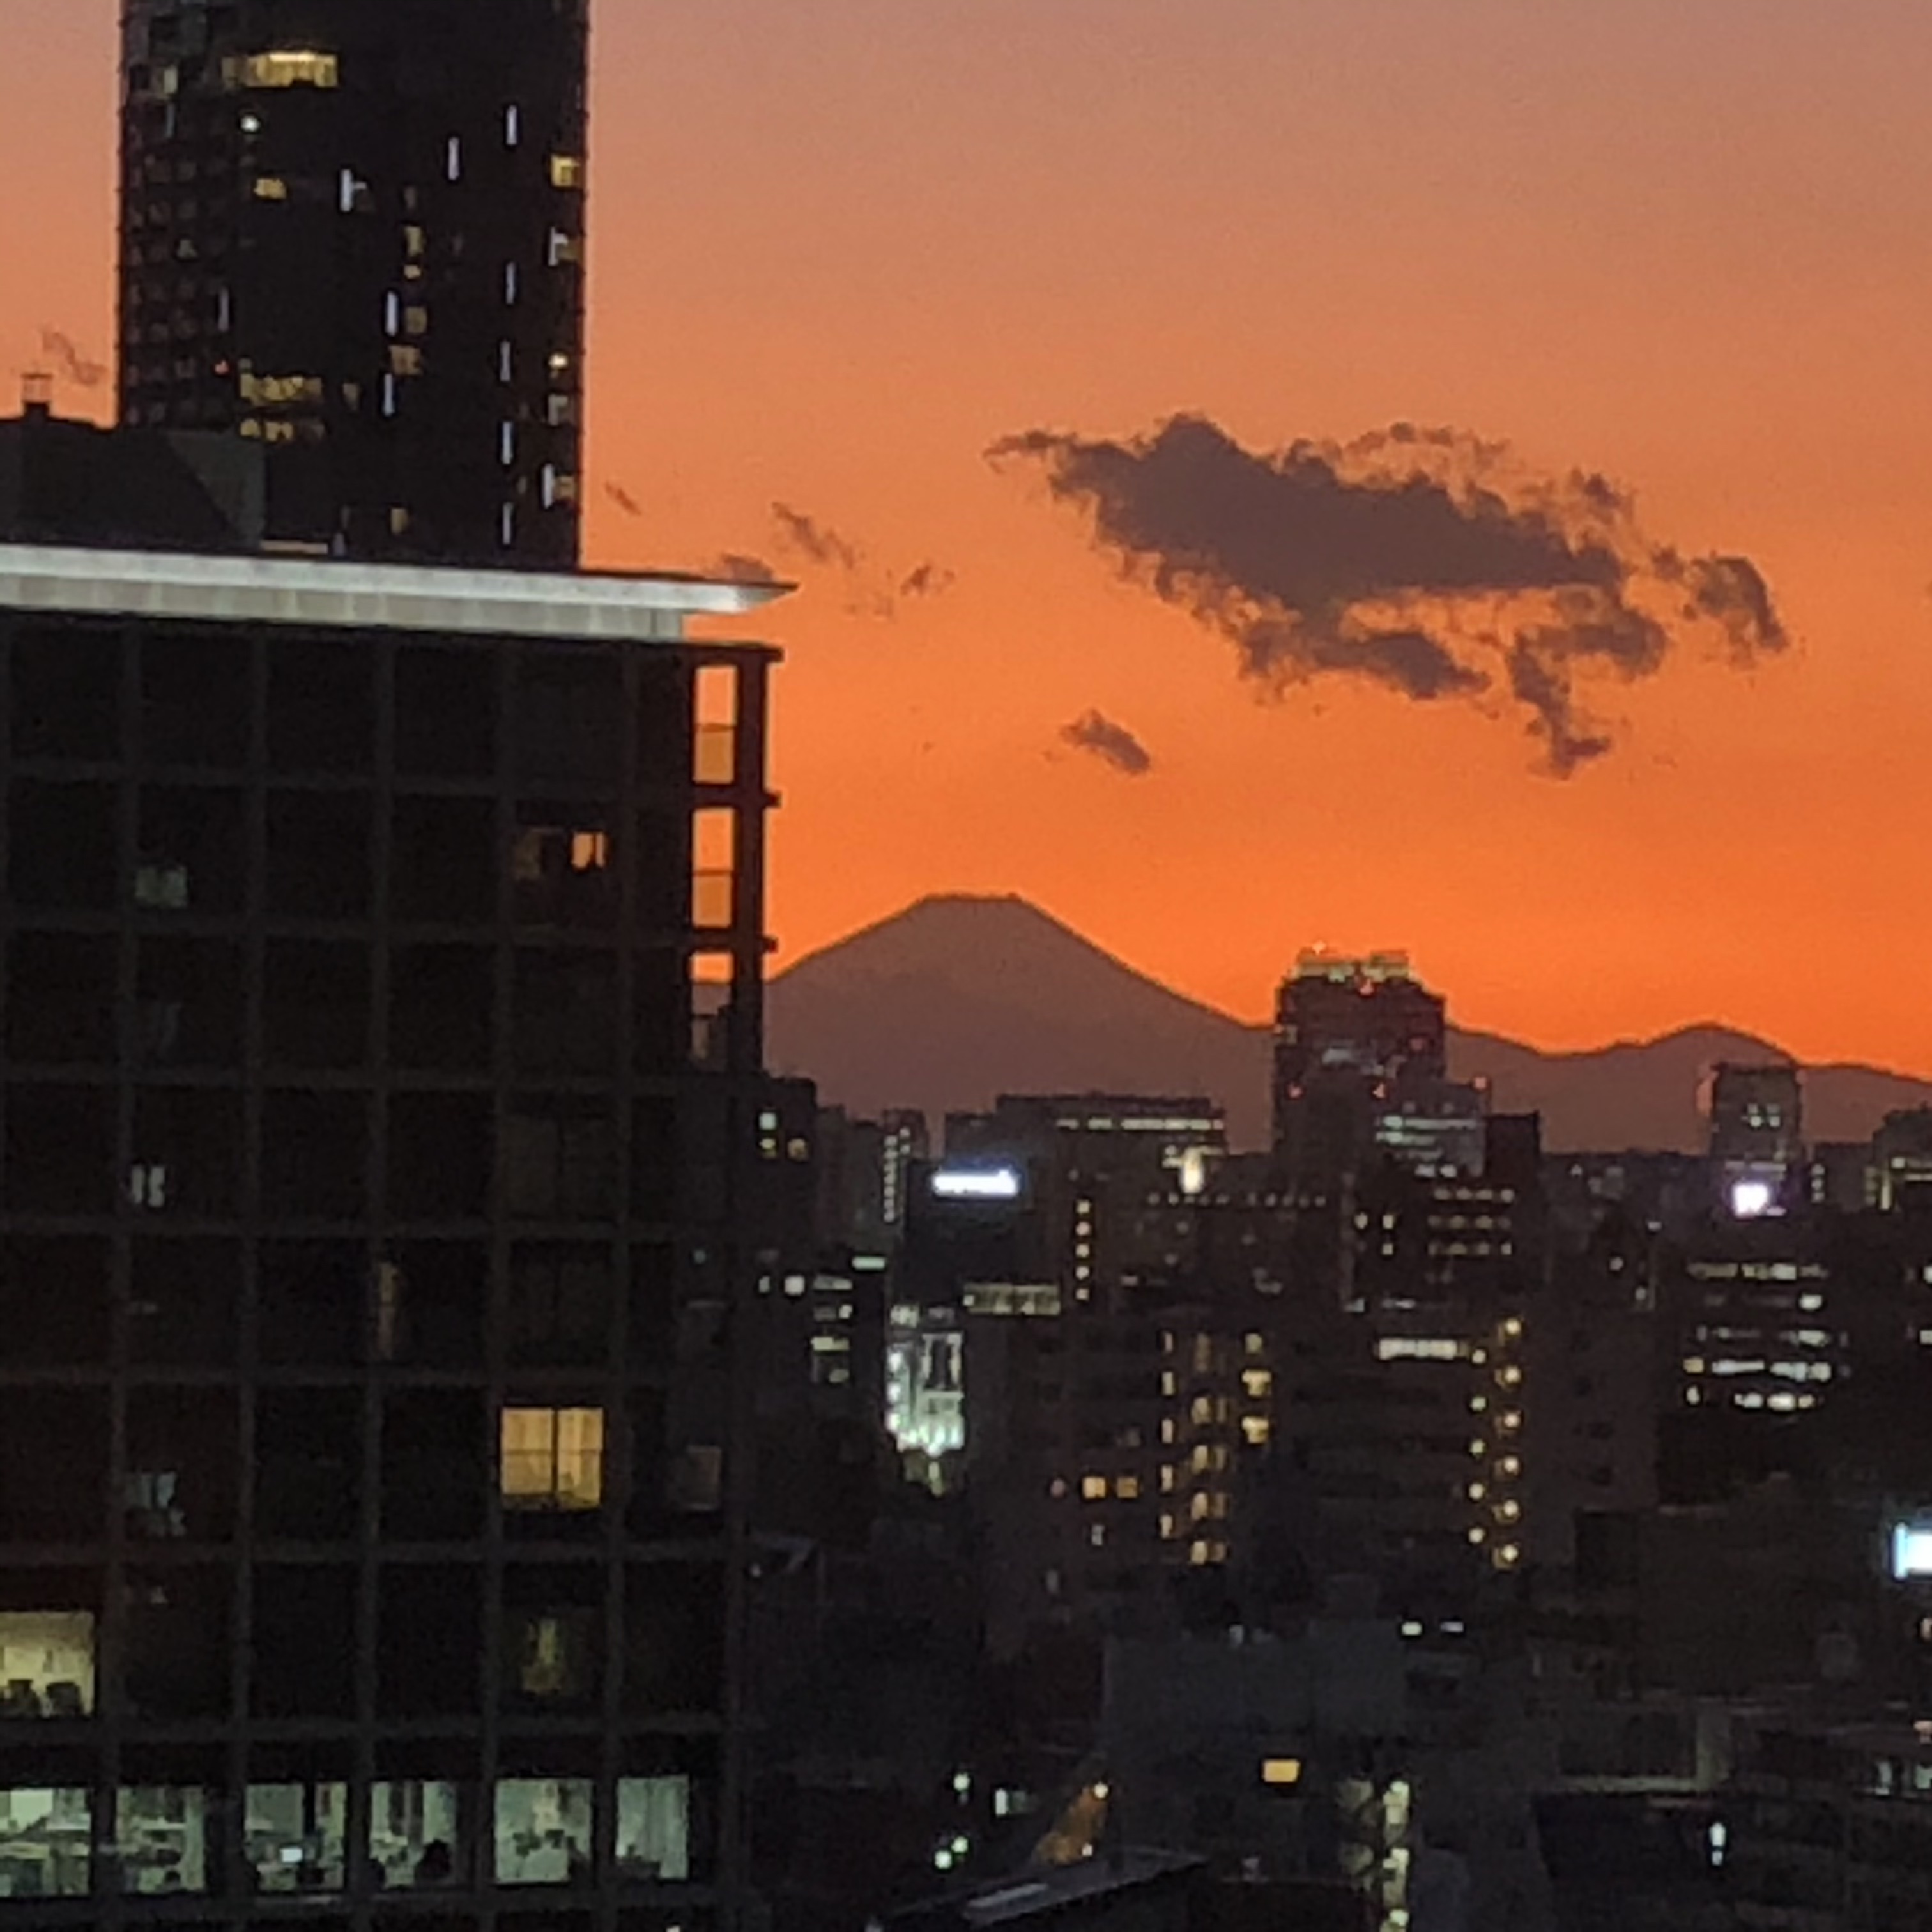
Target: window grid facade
x,y
273,1285
353,233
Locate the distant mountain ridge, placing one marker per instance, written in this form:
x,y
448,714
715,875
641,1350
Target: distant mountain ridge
x,y
956,1000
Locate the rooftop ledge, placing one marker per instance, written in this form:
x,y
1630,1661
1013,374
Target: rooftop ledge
x,y
314,592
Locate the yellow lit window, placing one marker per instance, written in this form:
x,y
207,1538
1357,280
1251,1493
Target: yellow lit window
x,y
416,242
1128,1488
566,171
405,359
1257,1384
1254,1430
552,1458
399,521
285,67
1281,1770
1093,1488
1167,1478
270,188
589,851
415,321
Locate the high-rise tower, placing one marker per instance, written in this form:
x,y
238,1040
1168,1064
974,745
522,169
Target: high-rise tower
x,y
353,230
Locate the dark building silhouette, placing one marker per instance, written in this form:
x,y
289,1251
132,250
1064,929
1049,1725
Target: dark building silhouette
x,y
379,1169
62,482
352,231
1351,1036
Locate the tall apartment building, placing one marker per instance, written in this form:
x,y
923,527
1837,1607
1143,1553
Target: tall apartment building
x,y
352,231
381,1152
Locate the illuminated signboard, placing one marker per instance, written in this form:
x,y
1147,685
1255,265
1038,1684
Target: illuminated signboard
x,y
976,1183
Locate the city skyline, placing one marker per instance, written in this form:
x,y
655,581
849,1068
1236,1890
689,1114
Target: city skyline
x,y
911,239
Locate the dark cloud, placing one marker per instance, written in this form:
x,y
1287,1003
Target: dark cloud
x,y
738,567
1112,744
817,542
79,369
1423,560
927,580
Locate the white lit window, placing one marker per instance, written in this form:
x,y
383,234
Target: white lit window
x,y
298,1838
49,1835
543,1834
654,1828
510,284
552,1458
415,1835
147,1185
453,158
513,126
506,444
160,1839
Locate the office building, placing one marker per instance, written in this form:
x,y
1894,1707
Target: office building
x,y
379,1178
1757,1137
353,231
1351,1035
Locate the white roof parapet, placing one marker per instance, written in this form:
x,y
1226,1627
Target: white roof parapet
x,y
322,594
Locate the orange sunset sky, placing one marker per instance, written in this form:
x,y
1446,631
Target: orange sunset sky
x,y
840,247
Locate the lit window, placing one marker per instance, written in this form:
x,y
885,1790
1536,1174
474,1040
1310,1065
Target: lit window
x,y
415,320
1128,1488
147,1185
654,1828
566,171
453,158
46,1665
270,188
1281,1772
161,888
513,126
49,1836
160,1839
1254,1430
285,67
415,1835
405,359
552,1458
1093,1488
297,1837
543,1831
1257,1384
589,851
506,444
